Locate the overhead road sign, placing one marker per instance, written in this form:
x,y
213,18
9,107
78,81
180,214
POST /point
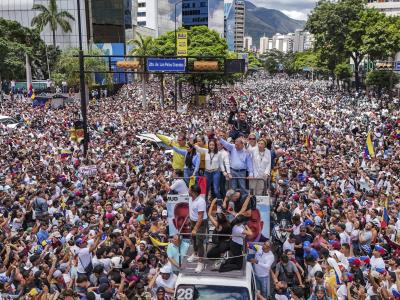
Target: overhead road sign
x,y
166,65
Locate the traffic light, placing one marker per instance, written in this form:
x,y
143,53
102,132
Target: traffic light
x,y
206,65
125,64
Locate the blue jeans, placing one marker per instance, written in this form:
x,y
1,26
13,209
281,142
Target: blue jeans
x,y
238,183
213,180
187,173
262,285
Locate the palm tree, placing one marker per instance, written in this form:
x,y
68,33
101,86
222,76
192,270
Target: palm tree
x,y
143,47
51,15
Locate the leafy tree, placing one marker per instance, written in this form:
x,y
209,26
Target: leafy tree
x,y
11,65
306,59
343,72
382,80
339,29
382,40
68,64
18,42
50,15
273,61
205,42
142,45
254,62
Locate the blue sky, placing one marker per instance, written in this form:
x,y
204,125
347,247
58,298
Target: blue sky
x,y
296,9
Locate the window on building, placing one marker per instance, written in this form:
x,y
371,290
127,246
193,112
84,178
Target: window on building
x,y
141,23
141,14
142,4
203,4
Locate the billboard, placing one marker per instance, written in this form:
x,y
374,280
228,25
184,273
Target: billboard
x,y
178,212
182,43
259,222
166,65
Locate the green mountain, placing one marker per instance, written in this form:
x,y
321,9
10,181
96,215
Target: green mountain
x,y
262,21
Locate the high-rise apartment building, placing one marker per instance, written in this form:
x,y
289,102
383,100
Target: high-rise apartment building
x,y
234,12
264,44
302,40
389,7
248,43
155,17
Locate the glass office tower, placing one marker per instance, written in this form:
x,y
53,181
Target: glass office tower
x,y
21,11
204,12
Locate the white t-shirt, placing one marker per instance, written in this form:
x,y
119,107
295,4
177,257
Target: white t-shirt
x,y
344,238
237,232
342,292
180,187
288,246
84,257
169,283
377,262
197,205
313,270
106,262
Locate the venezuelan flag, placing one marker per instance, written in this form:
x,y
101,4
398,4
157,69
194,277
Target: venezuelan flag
x,y
157,243
64,154
397,134
369,147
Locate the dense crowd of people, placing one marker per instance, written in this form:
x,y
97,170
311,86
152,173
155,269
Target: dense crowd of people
x,y
96,227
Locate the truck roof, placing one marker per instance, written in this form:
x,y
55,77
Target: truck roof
x,y
233,278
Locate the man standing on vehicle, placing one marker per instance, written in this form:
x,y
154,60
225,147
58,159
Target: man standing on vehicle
x,y
178,160
262,266
198,222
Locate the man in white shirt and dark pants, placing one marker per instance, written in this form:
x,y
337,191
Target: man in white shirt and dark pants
x,y
262,266
261,157
198,223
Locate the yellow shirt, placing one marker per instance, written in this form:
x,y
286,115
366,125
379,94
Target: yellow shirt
x,y
330,281
178,160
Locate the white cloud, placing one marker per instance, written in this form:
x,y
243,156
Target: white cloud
x,y
295,9
295,14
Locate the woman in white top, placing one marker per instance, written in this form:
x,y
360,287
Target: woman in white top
x,y
213,167
239,232
226,168
261,157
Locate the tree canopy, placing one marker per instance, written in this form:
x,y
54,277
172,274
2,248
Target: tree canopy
x,y
349,29
68,65
16,41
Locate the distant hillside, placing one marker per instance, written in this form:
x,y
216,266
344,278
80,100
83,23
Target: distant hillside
x,y
262,21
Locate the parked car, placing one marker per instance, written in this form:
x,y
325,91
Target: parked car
x,y
9,122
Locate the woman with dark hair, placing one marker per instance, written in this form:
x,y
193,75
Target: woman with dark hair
x,y
222,227
192,161
213,166
236,245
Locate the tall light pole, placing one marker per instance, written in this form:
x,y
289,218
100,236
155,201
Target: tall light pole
x,y
82,84
176,54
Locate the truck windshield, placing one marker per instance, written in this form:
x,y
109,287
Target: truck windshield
x,y
207,292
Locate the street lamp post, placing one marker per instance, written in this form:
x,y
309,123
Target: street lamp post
x,y
176,53
82,84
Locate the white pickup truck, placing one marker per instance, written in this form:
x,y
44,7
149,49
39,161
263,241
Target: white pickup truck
x,y
232,285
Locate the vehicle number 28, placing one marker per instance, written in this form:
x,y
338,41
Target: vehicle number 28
x,y
185,293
